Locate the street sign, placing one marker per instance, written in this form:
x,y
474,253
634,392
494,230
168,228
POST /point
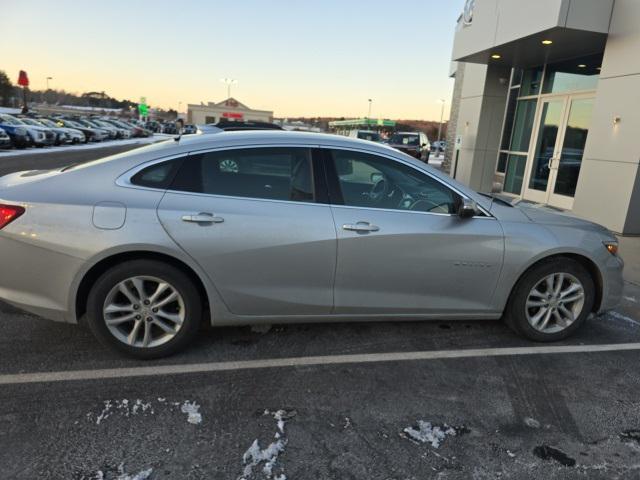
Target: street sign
x,y
23,79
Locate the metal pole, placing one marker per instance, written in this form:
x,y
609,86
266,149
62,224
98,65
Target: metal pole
x,y
440,127
369,116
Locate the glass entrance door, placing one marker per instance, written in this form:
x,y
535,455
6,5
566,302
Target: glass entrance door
x,y
556,156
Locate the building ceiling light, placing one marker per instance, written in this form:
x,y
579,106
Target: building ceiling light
x,y
496,56
547,42
582,65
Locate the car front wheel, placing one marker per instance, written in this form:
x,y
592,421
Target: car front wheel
x,y
145,309
551,301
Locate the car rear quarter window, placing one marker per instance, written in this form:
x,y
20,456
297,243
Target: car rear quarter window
x,y
159,175
268,173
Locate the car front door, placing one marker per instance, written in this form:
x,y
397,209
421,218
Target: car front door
x,y
402,248
252,219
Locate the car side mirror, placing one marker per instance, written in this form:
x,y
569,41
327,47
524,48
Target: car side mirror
x,y
424,144
468,208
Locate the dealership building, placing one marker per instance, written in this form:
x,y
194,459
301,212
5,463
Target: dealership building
x,y
229,109
546,105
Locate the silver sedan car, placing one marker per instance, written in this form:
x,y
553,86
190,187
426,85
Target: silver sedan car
x,y
241,228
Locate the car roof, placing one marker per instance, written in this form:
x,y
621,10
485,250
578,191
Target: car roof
x,y
283,137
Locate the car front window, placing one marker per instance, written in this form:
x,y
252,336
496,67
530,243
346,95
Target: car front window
x,y
372,181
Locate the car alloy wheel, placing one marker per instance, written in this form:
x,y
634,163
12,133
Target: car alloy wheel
x,y
144,311
555,302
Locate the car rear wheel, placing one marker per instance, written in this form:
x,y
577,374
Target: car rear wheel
x,y
144,308
551,301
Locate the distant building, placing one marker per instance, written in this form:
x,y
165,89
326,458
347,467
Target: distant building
x,y
230,110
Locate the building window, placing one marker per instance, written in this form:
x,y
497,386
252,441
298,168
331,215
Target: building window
x,y
573,75
522,126
514,173
531,80
209,119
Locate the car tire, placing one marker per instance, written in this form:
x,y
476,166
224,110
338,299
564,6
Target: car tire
x,y
106,297
522,307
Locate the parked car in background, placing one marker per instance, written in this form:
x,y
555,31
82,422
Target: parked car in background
x,y
137,130
189,129
91,134
365,135
169,128
5,139
415,144
62,137
75,135
40,136
111,131
438,146
126,130
17,134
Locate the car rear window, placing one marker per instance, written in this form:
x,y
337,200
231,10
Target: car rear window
x,y
269,173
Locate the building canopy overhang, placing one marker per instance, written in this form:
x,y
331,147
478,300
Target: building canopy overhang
x,y
531,51
525,33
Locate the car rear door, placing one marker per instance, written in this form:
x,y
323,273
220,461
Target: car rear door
x,y
255,220
402,249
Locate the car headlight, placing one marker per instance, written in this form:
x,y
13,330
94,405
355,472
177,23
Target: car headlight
x,y
611,246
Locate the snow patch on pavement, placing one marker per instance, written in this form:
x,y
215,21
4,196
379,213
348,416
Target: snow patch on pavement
x,y
631,299
129,408
531,422
122,475
267,457
87,146
192,409
426,432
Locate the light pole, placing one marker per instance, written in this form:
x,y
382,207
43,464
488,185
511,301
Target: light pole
x,y
229,82
370,101
48,78
441,118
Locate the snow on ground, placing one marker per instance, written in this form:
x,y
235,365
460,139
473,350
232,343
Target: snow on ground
x,y
87,146
268,457
192,409
428,433
128,408
631,299
122,475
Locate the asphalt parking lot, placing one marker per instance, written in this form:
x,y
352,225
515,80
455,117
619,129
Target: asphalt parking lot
x,y
333,401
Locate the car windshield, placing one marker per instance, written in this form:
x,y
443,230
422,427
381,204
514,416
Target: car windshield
x,y
30,121
47,122
371,136
71,123
405,139
10,120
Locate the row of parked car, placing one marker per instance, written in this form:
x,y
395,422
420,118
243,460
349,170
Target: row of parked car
x,y
22,131
415,144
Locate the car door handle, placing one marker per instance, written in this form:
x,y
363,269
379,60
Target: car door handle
x,y
202,218
361,227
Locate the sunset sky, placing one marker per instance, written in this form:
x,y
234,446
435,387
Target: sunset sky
x,y
320,58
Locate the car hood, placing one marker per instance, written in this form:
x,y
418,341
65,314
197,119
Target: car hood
x,y
548,216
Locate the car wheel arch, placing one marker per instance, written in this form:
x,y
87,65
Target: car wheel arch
x,y
584,260
97,269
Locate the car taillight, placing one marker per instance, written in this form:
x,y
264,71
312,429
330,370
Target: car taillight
x,y
8,213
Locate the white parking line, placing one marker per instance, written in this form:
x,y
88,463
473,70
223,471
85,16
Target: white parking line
x,y
64,376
